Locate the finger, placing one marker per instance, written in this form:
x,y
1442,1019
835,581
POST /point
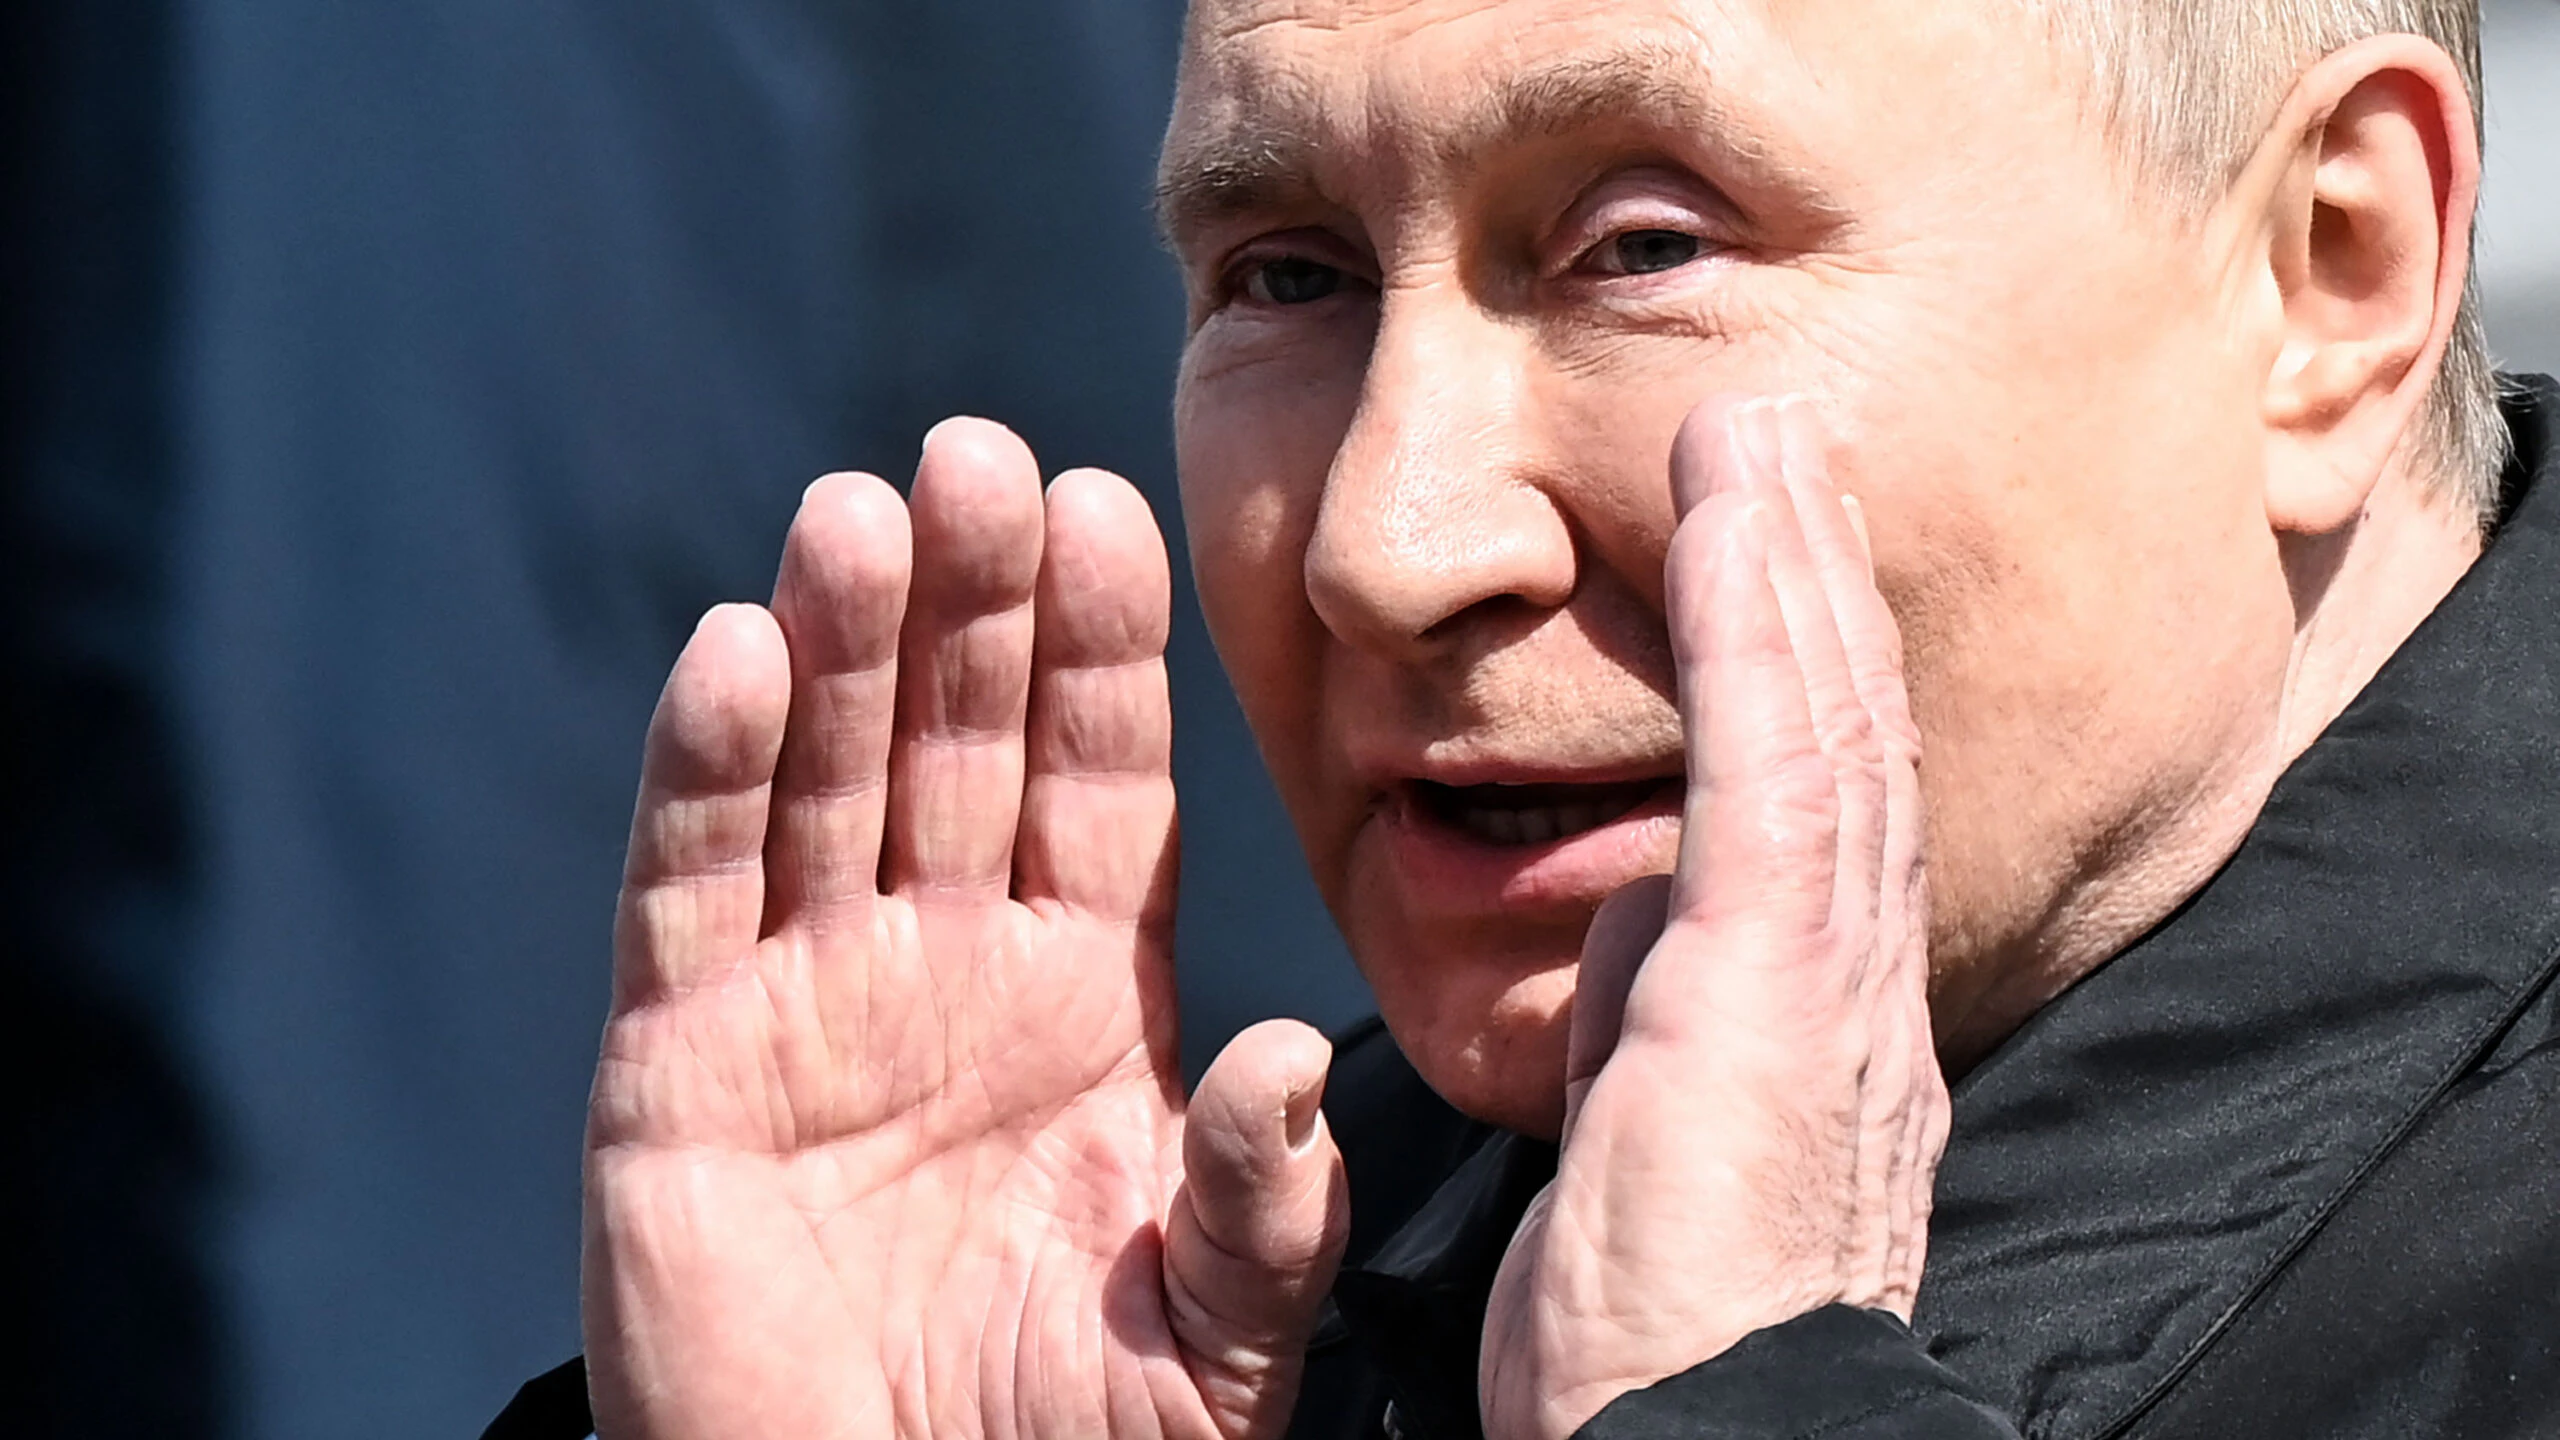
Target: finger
x,y
1857,512
964,663
1097,816
693,883
1621,935
1710,455
1834,526
1760,826
1736,446
840,598
1811,564
1922,1143
1258,1227
1813,561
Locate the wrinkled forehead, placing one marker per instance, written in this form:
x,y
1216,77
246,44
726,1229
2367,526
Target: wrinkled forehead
x,y
1277,92
1421,74
1428,39
1293,93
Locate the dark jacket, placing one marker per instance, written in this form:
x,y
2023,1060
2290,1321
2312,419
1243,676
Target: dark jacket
x,y
2288,1166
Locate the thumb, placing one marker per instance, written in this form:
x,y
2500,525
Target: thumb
x,y
1258,1226
1621,935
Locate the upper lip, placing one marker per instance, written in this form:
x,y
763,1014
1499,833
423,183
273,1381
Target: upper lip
x,y
1460,772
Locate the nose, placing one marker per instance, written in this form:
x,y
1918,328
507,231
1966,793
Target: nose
x,y
1436,509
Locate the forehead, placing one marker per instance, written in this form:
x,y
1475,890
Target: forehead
x,y
1424,36
1487,30
1412,71
1291,93
1282,94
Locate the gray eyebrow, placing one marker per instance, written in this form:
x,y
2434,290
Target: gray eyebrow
x,y
1645,80
1231,173
1260,163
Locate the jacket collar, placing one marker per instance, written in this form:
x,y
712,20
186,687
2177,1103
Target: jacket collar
x,y
1417,1304
2145,1154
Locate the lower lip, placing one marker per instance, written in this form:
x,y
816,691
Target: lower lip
x,y
1446,872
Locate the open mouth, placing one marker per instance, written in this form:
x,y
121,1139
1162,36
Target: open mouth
x,y
1532,815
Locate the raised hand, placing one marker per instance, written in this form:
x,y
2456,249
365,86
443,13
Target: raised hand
x,y
887,1137
1754,1112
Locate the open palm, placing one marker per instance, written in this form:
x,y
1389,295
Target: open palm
x,y
887,1137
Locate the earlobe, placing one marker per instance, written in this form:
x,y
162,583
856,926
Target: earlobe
x,y
2317,415
2370,177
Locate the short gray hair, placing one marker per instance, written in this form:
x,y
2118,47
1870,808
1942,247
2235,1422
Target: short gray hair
x,y
2187,88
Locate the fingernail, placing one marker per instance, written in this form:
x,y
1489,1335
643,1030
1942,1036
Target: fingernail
x,y
1740,565
969,421
1751,531
726,613
1304,1109
1762,435
1857,513
1746,454
1799,441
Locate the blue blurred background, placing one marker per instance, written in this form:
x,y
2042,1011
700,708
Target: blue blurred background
x,y
387,390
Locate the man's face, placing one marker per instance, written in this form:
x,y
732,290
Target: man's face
x,y
1459,269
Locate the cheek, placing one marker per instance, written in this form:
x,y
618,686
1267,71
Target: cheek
x,y
2022,449
1253,445
1483,1012
2064,512
2052,483
1257,423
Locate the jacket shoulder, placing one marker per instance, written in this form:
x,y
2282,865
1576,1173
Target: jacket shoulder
x,y
2423,1306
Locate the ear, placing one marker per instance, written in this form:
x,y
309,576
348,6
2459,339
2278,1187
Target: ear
x,y
2368,181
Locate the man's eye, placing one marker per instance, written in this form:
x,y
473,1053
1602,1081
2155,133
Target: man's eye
x,y
1647,252
1291,282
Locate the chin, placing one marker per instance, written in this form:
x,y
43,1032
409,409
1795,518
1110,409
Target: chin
x,y
1466,905
1488,1038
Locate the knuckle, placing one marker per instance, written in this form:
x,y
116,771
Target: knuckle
x,y
1851,732
1799,804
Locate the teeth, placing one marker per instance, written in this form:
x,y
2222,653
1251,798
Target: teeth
x,y
1535,825
1511,815
1538,827
1502,827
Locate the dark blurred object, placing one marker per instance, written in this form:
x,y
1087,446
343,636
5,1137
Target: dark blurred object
x,y
103,1214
